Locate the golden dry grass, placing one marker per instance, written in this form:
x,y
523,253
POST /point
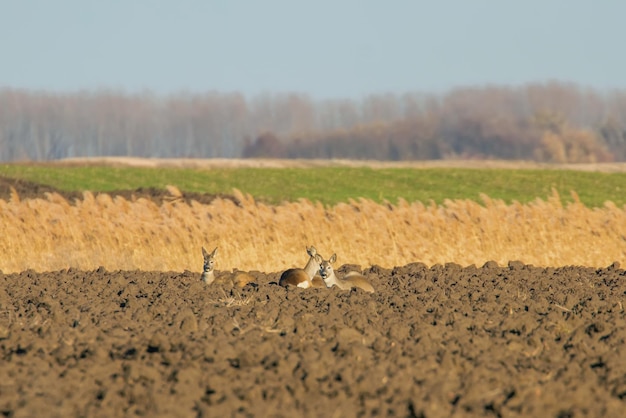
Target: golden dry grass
x,y
52,234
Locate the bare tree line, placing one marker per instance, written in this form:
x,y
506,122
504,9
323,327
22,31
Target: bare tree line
x,y
545,122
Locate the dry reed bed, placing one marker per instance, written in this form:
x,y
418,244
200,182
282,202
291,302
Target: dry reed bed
x,y
53,234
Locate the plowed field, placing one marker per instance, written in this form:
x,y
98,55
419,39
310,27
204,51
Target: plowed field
x,y
436,341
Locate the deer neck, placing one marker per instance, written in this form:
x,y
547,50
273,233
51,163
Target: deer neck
x,y
208,277
312,267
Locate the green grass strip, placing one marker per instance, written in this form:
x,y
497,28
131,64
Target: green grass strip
x,y
330,185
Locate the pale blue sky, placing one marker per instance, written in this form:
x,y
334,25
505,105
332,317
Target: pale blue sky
x,y
325,48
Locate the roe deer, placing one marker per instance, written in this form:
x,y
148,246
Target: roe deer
x,y
237,278
306,277
350,280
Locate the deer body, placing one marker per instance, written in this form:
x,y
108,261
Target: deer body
x,y
305,277
237,278
350,280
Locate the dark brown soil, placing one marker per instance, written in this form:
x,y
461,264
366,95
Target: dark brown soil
x,y
29,190
432,342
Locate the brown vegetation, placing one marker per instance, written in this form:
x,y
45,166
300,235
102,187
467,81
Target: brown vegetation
x,y
117,233
552,122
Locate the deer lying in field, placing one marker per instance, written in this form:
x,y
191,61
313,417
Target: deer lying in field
x,y
306,277
237,278
350,280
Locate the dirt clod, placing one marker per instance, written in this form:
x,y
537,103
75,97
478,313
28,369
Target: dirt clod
x,y
432,342
29,190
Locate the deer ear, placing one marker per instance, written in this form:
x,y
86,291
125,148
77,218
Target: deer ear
x,y
204,253
318,258
214,253
333,258
311,251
